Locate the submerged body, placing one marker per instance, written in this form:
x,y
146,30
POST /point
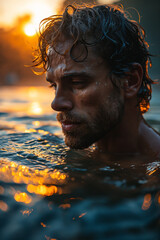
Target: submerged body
x,y
47,189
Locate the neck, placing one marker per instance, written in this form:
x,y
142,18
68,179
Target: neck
x,y
124,137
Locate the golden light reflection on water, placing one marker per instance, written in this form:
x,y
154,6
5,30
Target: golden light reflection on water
x,y
12,172
35,108
43,225
27,212
36,123
48,238
43,190
22,197
83,214
39,182
35,97
152,168
147,201
151,171
1,190
65,205
30,100
32,130
3,206
12,126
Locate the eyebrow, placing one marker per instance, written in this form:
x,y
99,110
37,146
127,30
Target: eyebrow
x,y
76,74
72,74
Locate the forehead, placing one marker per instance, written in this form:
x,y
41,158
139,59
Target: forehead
x,y
63,63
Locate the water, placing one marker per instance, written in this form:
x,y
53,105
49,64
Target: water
x,y
50,192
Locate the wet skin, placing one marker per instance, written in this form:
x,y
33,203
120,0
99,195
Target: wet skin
x,y
92,110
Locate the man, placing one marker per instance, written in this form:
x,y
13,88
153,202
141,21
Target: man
x,y
96,59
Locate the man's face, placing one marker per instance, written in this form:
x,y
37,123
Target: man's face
x,y
88,104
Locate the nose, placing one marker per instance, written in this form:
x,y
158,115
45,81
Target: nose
x,y
62,103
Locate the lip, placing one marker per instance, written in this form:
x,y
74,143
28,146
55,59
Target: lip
x,y
68,126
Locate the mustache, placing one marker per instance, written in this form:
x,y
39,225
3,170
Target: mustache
x,y
71,117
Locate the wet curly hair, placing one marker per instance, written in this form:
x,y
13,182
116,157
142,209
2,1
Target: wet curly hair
x,y
117,39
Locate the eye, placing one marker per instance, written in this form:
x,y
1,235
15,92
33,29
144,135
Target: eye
x,y
79,83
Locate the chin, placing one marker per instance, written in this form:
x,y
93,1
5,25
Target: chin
x,y
74,144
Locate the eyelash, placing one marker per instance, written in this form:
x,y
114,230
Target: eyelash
x,y
76,83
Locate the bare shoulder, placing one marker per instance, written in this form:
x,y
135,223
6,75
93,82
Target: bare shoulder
x,y
149,139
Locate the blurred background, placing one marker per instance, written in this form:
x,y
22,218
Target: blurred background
x,y
19,21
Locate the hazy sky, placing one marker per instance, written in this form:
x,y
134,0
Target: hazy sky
x,y
11,9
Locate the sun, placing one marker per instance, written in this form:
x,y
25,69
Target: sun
x,y
29,29
38,10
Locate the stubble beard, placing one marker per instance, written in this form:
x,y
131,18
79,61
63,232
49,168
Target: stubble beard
x,y
92,130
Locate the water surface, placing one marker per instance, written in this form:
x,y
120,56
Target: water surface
x,y
48,191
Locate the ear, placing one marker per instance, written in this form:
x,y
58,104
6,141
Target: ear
x,y
133,81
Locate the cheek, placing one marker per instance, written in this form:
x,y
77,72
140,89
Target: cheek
x,y
90,97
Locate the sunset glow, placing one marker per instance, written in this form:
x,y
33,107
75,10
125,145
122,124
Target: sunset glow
x,y
29,30
40,10
37,9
